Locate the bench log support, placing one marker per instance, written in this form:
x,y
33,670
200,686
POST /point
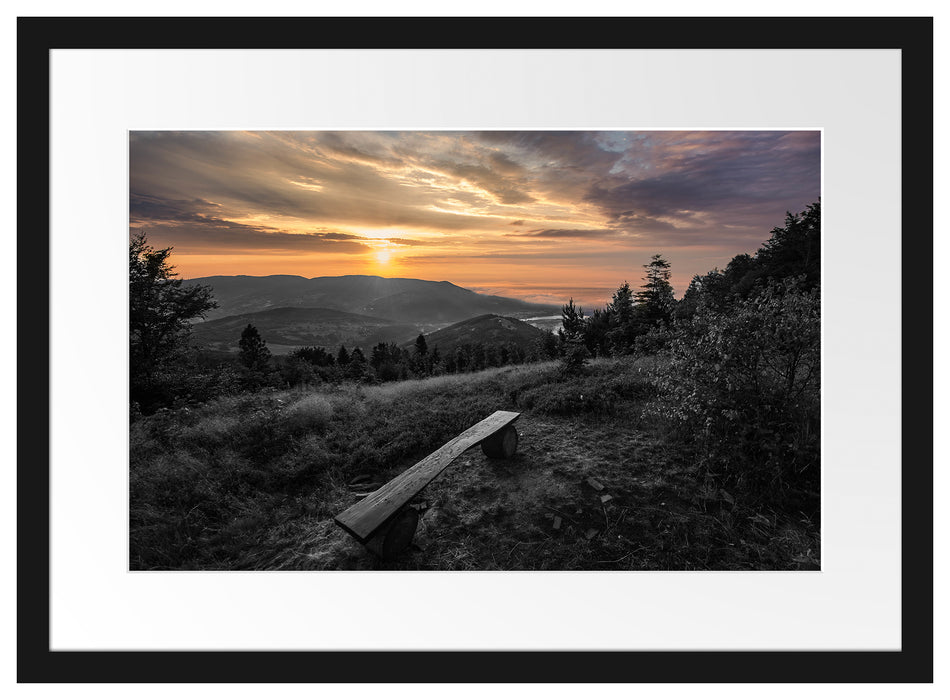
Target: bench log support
x,y
501,445
394,537
384,523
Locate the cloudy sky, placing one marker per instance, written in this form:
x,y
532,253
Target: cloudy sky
x,y
540,215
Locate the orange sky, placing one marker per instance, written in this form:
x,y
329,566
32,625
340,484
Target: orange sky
x,y
540,215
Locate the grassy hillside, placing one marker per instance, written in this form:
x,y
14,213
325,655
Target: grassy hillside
x,y
291,327
488,330
253,481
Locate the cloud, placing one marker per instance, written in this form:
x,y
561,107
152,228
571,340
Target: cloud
x,y
715,193
564,233
260,175
699,183
183,222
336,236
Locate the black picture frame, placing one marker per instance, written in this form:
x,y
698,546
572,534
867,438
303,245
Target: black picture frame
x,y
36,663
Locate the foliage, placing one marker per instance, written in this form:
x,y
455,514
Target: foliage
x,y
161,309
422,349
318,357
621,325
792,251
615,329
575,357
572,321
745,385
342,357
655,300
253,350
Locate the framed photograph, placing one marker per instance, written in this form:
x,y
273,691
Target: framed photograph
x,y
528,357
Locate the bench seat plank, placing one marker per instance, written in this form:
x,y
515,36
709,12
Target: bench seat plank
x,y
362,519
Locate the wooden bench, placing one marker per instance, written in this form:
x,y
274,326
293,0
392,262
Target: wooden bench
x,y
384,522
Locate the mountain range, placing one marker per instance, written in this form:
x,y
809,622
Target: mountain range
x,y
414,301
355,310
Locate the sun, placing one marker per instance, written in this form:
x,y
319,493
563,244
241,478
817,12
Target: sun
x,y
382,257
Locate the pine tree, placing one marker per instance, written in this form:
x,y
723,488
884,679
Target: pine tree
x,y
621,306
357,367
794,249
343,357
572,320
254,353
655,300
621,317
161,309
421,348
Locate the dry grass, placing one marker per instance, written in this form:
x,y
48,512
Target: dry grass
x,y
253,482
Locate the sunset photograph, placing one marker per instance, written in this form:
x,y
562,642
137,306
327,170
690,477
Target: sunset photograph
x,y
325,325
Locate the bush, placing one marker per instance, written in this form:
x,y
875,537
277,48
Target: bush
x,y
312,412
575,357
652,341
744,384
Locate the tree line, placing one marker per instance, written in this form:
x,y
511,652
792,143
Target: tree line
x,y
384,362
640,321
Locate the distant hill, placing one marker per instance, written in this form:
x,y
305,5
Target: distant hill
x,y
418,302
286,328
488,329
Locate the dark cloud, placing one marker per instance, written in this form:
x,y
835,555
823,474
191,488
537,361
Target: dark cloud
x,y
741,179
143,207
181,221
578,150
563,233
336,236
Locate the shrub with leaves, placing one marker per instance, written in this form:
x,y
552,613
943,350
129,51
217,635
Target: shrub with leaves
x,y
744,383
575,357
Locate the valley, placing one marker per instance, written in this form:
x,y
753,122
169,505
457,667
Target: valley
x,y
291,312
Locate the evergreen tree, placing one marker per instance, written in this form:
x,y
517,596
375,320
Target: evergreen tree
x,y
621,321
655,299
572,320
596,333
161,309
549,346
421,348
254,353
343,357
794,249
621,306
387,361
357,366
